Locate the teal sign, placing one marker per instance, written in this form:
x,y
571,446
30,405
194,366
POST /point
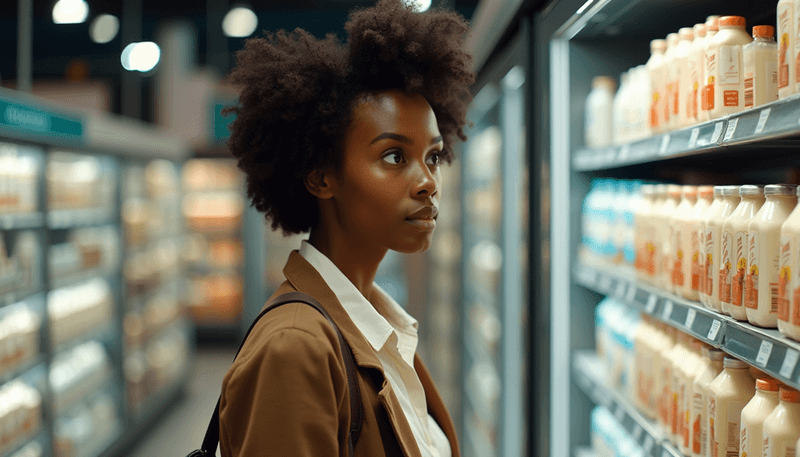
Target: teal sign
x,y
19,119
220,123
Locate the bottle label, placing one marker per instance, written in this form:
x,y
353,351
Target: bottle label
x,y
785,277
698,432
712,432
737,283
734,416
744,444
725,264
677,267
784,53
654,108
710,242
772,82
696,266
730,63
748,89
708,89
751,293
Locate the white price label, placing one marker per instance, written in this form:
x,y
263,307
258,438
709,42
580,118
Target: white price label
x,y
604,284
789,362
648,444
714,330
664,144
762,120
693,138
763,353
619,290
667,311
651,304
624,151
631,293
731,129
717,132
690,318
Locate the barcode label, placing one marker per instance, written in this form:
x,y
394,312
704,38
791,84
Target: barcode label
x,y
693,138
763,353
667,312
690,318
773,298
762,119
714,330
664,144
731,129
789,362
718,132
651,304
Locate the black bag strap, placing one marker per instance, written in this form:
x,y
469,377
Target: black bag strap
x,y
211,439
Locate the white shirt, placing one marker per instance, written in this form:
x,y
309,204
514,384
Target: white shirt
x,y
393,335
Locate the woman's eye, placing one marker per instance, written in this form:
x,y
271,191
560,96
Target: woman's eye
x,y
434,158
393,158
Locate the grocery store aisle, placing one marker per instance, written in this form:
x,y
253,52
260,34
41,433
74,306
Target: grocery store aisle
x,y
181,430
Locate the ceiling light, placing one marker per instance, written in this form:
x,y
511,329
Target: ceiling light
x,y
419,6
141,57
70,11
104,28
240,22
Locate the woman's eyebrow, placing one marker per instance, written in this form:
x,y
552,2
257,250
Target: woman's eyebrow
x,y
401,138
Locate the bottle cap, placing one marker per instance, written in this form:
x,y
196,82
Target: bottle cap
x,y
605,82
768,384
780,189
765,31
732,21
686,33
689,191
730,362
716,354
648,189
658,45
699,30
660,189
712,24
673,39
751,190
790,394
673,190
705,191
730,191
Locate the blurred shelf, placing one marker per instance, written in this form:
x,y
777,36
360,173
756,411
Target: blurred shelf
x,y
72,218
759,127
38,435
589,375
584,452
105,333
81,392
151,405
103,442
23,369
17,296
20,221
109,274
766,349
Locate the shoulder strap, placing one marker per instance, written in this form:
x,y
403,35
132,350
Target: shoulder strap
x,y
211,439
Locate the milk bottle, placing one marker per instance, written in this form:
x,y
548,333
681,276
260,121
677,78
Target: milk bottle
x,y
789,280
705,194
705,278
682,243
662,345
725,68
672,80
734,269
763,259
727,396
694,64
644,231
678,357
710,368
654,264
786,37
655,69
754,414
665,398
761,67
599,112
782,426
666,236
689,370
706,84
682,54
713,236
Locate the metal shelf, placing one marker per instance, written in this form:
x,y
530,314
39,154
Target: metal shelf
x,y
755,127
21,221
766,349
72,218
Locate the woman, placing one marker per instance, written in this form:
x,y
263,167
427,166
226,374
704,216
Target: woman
x,y
345,142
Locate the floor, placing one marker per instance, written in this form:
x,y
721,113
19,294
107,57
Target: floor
x,y
182,429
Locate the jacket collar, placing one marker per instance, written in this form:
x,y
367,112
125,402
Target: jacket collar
x,y
305,278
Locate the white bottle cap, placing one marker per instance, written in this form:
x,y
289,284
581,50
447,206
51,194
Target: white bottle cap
x,y
751,190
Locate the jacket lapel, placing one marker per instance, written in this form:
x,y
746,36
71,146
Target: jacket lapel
x,y
436,407
305,278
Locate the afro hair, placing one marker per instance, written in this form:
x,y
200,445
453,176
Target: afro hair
x,y
298,91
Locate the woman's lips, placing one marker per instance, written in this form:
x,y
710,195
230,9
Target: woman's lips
x,y
425,223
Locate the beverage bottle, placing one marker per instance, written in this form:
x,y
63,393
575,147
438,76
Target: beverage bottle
x,y
689,371
726,261
662,344
599,111
679,356
643,231
763,260
693,63
705,277
705,194
782,426
727,396
713,240
681,243
620,129
710,368
655,69
789,280
672,80
735,229
726,67
761,67
706,85
754,414
786,38
682,54
668,236
665,381
658,223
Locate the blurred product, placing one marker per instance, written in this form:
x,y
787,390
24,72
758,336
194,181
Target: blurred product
x,y
727,396
655,69
32,449
19,268
672,80
77,372
682,56
789,281
734,269
683,236
19,337
761,67
713,241
782,426
86,249
609,437
710,368
643,233
705,195
599,112
695,68
712,28
724,93
764,231
666,237
688,371
76,310
786,44
20,413
705,247
754,414
88,428
78,182
18,188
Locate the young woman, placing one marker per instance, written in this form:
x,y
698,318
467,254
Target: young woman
x,y
345,142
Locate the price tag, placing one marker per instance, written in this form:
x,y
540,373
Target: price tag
x,y
619,413
762,120
631,293
651,304
648,444
789,362
693,138
664,144
619,291
667,312
717,132
732,124
690,318
637,433
763,353
714,330
604,284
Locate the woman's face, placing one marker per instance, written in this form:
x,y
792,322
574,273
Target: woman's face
x,y
388,188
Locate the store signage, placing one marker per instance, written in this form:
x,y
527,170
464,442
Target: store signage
x,y
31,121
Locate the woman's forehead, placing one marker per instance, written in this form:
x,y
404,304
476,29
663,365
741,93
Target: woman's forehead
x,y
389,108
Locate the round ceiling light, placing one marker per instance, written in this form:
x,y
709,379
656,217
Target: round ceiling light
x,y
141,57
240,22
104,28
70,11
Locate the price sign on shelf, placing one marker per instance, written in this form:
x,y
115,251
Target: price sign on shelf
x,y
693,138
717,132
631,293
714,330
619,290
667,312
763,353
789,362
651,304
648,444
664,145
604,284
762,120
637,433
690,316
731,129
619,413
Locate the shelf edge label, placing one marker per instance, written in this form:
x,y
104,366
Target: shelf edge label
x,y
763,353
789,362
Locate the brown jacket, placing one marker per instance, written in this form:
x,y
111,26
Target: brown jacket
x,y
286,393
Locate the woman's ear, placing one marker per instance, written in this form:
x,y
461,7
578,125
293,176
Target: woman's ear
x,y
320,183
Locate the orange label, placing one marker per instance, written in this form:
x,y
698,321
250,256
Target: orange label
x,y
737,285
708,97
783,76
696,267
796,67
675,102
796,307
751,300
654,118
697,446
730,98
